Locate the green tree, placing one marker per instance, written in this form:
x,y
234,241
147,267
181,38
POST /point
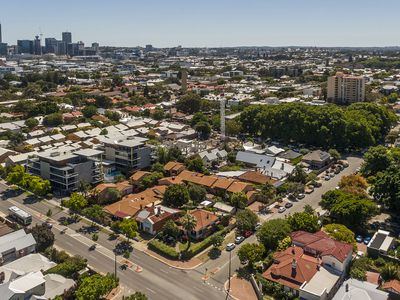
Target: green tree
x,y
251,253
31,123
189,223
76,202
89,111
128,227
171,229
54,119
386,188
271,232
198,117
16,175
95,213
238,200
390,272
203,129
197,193
348,209
268,193
176,195
284,244
68,266
190,103
216,240
334,154
196,165
95,286
135,296
246,220
303,221
43,236
340,233
298,175
376,159
112,115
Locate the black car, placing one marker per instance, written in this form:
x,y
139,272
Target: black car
x,y
93,247
288,204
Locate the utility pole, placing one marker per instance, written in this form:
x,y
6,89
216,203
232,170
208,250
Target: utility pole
x,y
229,279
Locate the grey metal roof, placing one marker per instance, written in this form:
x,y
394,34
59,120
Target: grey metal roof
x,y
359,290
17,239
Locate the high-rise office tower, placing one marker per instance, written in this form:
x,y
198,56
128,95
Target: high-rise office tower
x,y
1,37
67,37
25,46
346,89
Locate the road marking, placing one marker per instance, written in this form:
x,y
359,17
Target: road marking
x,y
163,271
150,290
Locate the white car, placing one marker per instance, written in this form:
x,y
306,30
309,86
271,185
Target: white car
x,y
281,209
230,247
300,196
239,239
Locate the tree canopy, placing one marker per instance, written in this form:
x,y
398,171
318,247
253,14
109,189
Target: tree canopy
x,y
303,221
271,232
43,235
251,253
358,125
348,209
176,195
95,286
246,220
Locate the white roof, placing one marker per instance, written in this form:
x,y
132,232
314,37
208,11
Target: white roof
x,y
27,282
17,239
321,281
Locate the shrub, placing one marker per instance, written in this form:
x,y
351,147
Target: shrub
x,y
163,249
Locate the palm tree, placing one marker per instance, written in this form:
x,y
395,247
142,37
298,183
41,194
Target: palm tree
x,y
189,223
389,272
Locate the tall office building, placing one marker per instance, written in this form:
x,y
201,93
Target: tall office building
x,y
67,37
1,37
50,45
25,46
346,89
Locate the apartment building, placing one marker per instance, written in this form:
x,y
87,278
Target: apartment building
x,y
66,169
346,89
127,153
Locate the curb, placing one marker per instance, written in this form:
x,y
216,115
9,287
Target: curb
x,y
226,290
170,265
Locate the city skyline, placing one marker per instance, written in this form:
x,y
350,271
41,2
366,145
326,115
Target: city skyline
x,y
221,24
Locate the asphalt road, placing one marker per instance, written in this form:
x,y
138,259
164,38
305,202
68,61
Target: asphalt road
x,y
222,263
156,280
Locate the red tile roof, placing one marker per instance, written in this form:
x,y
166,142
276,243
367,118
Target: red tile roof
x,y
392,285
322,244
292,268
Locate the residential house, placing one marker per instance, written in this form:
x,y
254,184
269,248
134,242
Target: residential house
x,y
104,190
130,205
317,159
16,245
173,168
214,156
359,290
312,267
393,288
152,219
256,178
334,254
206,221
5,153
137,177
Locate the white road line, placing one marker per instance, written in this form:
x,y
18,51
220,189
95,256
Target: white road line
x,y
150,290
163,271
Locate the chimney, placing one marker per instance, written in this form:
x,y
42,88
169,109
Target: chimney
x,y
282,166
294,264
347,287
293,249
141,206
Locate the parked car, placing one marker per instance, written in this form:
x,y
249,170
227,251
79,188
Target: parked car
x,y
300,196
359,239
367,240
247,233
230,247
327,177
288,204
332,175
258,225
281,209
93,247
239,239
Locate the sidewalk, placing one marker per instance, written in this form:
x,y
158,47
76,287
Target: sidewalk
x,y
241,289
177,264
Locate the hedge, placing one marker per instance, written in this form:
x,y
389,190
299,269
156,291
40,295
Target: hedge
x,y
163,249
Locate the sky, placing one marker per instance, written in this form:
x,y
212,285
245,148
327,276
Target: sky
x,y
206,23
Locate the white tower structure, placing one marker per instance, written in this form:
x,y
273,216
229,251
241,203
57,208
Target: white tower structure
x,y
222,116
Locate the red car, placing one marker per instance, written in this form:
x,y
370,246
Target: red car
x,y
247,233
